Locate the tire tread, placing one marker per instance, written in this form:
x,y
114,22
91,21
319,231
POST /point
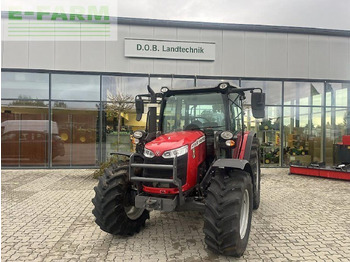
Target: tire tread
x,y
108,210
222,213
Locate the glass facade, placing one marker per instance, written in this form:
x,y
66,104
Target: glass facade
x,y
272,89
123,89
303,135
172,83
19,85
75,126
337,118
214,82
269,133
24,133
75,87
71,120
114,85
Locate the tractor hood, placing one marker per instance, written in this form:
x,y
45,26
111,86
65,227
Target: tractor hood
x,y
173,140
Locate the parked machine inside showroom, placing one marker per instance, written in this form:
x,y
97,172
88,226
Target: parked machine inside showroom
x,y
193,155
340,171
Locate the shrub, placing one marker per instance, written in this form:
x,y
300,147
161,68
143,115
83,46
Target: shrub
x,y
115,159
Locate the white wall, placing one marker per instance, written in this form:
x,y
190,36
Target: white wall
x,y
241,54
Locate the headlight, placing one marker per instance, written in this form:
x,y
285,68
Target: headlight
x,y
164,89
226,135
148,153
176,152
223,86
138,134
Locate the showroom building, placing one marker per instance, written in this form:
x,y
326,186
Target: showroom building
x,y
55,93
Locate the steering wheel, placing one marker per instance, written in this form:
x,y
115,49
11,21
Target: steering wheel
x,y
201,117
196,124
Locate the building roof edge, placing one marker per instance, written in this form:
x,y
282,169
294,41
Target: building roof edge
x,y
216,26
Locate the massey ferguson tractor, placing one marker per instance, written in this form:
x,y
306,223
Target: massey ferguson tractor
x,y
194,155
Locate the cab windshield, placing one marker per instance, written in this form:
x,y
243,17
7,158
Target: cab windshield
x,y
184,112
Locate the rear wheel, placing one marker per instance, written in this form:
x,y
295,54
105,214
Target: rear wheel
x,y
255,164
228,213
114,210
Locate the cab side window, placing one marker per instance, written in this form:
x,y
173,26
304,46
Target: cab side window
x,y
236,112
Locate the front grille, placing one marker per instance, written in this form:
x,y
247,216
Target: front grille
x,y
164,173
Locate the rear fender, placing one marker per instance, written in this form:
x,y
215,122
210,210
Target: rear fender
x,y
227,164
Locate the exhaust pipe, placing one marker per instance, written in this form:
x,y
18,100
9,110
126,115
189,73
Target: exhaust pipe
x,y
152,117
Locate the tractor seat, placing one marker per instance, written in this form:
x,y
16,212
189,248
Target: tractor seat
x,y
210,124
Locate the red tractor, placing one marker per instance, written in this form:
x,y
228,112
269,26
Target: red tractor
x,y
195,155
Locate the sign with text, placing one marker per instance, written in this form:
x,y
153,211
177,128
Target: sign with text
x,y
169,49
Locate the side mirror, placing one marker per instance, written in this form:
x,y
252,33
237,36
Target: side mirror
x,y
139,107
258,105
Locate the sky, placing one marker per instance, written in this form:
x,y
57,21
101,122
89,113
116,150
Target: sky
x,y
329,14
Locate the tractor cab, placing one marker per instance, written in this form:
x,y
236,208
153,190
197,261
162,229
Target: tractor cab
x,y
211,111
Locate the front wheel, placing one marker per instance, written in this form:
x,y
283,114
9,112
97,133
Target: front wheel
x,y
228,213
114,210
